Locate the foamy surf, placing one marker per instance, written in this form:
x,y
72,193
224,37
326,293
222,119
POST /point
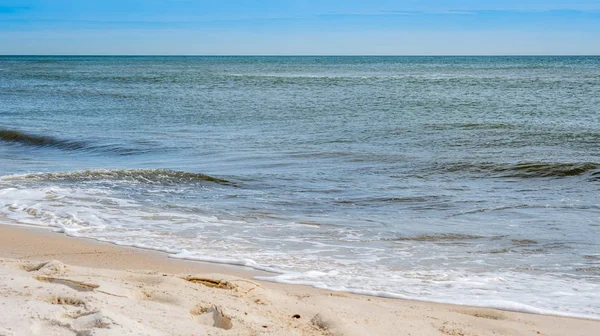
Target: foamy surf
x,y
330,257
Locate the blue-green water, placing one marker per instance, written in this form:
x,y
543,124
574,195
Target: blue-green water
x,y
471,180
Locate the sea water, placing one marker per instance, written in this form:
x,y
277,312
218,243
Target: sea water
x,y
469,180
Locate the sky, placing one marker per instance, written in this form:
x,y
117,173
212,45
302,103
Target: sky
x,y
309,27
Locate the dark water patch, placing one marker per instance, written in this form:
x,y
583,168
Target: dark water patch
x,y
523,67
525,169
469,126
532,251
528,246
452,243
500,251
17,90
46,61
42,141
556,245
47,76
517,251
595,176
542,169
482,210
437,237
101,77
523,242
144,176
379,200
257,215
93,93
592,257
291,80
150,79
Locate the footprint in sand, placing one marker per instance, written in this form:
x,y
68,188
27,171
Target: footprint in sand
x,y
65,300
160,297
322,322
483,313
52,267
73,284
212,316
213,283
91,321
81,324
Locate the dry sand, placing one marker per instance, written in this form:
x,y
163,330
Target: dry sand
x,y
51,284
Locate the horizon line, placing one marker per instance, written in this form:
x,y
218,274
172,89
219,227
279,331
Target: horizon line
x,y
299,55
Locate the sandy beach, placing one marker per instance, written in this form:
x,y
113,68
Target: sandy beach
x,y
51,284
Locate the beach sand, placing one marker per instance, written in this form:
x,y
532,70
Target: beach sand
x,y
51,284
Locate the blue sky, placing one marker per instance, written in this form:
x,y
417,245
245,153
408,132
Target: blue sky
x,y
350,27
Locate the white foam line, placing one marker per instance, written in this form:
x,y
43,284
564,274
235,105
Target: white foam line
x,y
245,262
494,304
175,254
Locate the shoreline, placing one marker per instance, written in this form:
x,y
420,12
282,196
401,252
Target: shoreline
x,y
323,312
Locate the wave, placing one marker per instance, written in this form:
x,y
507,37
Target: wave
x,y
469,126
528,169
61,76
371,200
542,169
437,237
145,176
42,141
14,136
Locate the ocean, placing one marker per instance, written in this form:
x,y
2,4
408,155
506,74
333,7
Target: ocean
x,y
467,180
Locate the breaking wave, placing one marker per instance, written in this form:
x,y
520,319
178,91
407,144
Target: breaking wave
x,y
145,176
528,169
14,136
42,141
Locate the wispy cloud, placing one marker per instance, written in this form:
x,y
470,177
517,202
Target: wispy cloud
x,y
442,12
454,12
